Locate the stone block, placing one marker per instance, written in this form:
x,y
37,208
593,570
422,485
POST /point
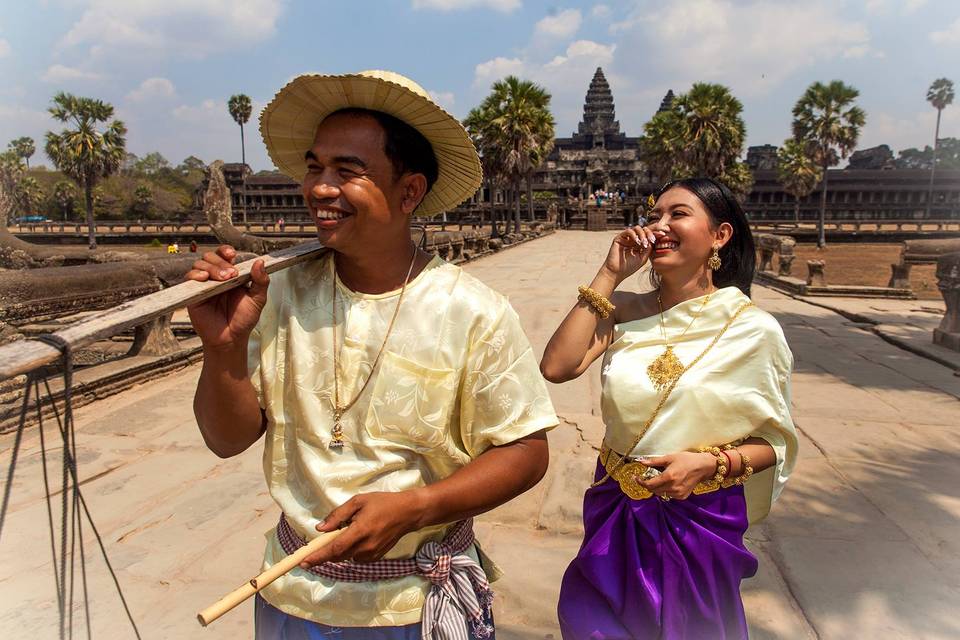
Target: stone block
x,y
815,273
154,338
785,264
899,276
948,281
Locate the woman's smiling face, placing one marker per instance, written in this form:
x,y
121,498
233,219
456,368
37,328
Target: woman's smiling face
x,y
686,234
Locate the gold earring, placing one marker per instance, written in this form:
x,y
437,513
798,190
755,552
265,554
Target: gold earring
x,y
714,261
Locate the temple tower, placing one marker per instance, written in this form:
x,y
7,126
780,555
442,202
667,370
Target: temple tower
x,y
599,115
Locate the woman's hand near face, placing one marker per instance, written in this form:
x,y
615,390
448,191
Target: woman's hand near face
x,y
682,472
630,250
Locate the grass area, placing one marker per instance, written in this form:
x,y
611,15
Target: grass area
x,y
866,265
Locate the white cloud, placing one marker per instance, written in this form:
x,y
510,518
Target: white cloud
x,y
600,11
189,28
906,7
948,36
4,48
62,73
597,54
562,25
152,89
505,6
490,71
743,44
445,99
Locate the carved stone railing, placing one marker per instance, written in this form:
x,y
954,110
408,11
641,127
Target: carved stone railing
x,y
781,247
948,281
816,273
919,252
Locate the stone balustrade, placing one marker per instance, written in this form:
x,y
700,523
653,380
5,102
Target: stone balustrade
x,y
919,252
782,247
948,281
816,273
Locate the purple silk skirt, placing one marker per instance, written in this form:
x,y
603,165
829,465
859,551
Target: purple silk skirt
x,y
657,569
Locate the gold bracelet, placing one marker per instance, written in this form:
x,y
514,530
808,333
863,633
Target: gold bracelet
x,y
599,303
721,472
744,474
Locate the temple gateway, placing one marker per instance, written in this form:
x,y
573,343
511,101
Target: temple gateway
x,y
599,156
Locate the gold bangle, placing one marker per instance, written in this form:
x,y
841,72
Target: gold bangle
x,y
599,303
744,474
721,472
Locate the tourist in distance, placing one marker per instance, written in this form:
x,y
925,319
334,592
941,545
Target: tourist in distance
x,y
699,439
397,394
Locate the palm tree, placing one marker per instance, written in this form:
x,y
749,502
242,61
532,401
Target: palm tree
x,y
85,153
940,95
29,195
240,109
828,123
543,134
517,131
798,172
24,147
142,199
63,194
702,134
480,128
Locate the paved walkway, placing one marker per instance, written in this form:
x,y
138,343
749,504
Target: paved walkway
x,y
862,544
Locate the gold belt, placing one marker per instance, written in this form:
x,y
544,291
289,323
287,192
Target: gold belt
x,y
631,472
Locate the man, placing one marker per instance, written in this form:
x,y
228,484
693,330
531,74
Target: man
x,y
397,394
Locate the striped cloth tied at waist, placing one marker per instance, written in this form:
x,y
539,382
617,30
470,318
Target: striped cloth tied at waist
x,y
459,595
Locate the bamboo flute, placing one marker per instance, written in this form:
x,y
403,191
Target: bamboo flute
x,y
23,356
244,591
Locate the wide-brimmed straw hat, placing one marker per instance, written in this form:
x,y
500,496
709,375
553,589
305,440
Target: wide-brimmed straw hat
x,y
289,123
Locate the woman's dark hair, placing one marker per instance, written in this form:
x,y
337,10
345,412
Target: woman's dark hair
x,y
405,147
739,256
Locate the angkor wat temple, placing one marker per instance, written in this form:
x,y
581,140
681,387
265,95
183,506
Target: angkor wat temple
x,y
600,156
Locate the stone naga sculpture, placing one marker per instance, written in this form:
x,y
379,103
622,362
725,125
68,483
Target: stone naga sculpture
x,y
219,213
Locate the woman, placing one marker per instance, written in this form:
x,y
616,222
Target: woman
x,y
698,432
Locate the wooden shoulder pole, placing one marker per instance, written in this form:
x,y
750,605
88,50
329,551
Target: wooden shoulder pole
x,y
23,356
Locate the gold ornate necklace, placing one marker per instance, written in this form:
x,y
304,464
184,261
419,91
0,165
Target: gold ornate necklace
x,y
667,366
340,409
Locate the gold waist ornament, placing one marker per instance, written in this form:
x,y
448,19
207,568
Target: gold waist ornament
x,y
629,473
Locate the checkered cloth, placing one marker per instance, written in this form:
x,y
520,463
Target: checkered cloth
x,y
460,593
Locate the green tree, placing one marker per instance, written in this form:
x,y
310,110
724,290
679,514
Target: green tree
x,y
191,163
701,134
940,96
85,153
142,199
828,123
799,173
151,164
479,125
24,148
240,109
948,156
29,195
64,194
517,131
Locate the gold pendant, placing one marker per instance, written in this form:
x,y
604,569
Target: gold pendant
x,y
337,431
665,369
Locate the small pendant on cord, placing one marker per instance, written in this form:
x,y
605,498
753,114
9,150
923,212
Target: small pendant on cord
x,y
336,432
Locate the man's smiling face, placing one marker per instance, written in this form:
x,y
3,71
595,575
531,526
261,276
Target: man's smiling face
x,y
350,187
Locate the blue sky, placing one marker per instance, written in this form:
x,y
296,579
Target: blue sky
x,y
169,66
